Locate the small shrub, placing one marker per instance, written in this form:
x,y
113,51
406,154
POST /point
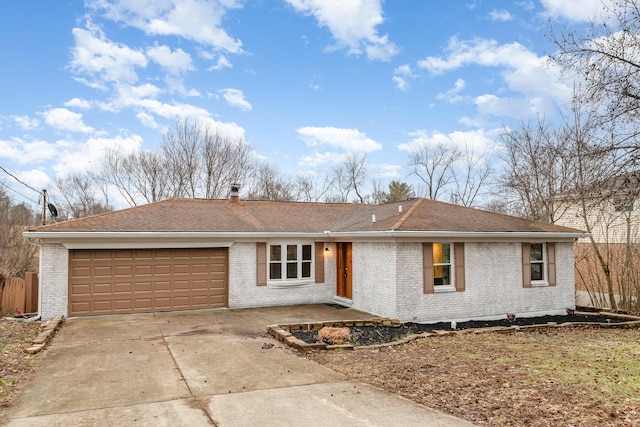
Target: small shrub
x,y
333,335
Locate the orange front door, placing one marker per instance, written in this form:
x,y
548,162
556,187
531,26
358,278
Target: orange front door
x,y
343,258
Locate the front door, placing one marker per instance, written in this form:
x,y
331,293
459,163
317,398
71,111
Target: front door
x,y
343,257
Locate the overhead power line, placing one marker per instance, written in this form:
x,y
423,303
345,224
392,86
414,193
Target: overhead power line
x,y
20,194
20,181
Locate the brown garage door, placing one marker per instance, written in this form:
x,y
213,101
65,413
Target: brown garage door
x,y
130,281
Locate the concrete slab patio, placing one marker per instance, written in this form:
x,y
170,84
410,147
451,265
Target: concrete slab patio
x,y
204,367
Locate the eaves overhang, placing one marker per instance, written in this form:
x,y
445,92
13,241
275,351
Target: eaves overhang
x,y
138,236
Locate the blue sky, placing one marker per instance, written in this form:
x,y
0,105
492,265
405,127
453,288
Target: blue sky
x,y
304,82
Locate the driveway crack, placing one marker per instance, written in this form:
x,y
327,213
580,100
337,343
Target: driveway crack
x,y
194,401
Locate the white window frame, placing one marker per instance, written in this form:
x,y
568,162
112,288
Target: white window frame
x,y
298,280
451,264
544,262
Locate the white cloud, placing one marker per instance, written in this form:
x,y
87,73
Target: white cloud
x,y
36,178
353,25
477,140
78,103
175,62
80,156
26,122
500,15
196,20
102,60
523,71
222,63
235,98
317,159
402,77
574,10
64,119
453,96
350,140
24,152
388,171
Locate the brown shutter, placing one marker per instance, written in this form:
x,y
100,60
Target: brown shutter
x,y
551,262
427,267
526,265
261,264
458,259
319,262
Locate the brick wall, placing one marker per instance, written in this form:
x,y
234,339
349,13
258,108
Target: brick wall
x,y
54,276
243,292
493,274
374,278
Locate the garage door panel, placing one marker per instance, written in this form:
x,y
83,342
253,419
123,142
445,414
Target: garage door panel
x,y
124,281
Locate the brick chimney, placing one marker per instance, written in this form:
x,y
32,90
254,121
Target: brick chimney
x,y
234,196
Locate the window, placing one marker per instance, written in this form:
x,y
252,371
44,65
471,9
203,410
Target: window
x,y
290,262
441,264
536,260
443,267
538,264
623,204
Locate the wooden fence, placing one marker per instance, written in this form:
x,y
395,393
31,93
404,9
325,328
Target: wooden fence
x,y
19,295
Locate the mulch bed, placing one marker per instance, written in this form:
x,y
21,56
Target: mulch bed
x,y
371,335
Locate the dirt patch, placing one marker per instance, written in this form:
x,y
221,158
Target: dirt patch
x,y
16,365
583,376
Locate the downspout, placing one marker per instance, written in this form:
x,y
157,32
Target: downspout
x,y
38,315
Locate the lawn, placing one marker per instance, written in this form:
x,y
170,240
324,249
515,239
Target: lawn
x,y
584,376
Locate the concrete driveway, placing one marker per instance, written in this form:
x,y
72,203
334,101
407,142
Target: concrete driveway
x,y
204,367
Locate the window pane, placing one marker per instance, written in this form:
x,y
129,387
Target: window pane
x,y
441,275
437,253
275,253
446,253
536,252
306,269
446,274
292,270
292,252
537,271
275,271
306,252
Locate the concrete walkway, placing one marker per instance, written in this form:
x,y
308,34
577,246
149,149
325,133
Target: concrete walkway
x,y
199,368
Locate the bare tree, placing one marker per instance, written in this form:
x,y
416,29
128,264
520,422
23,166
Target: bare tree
x,y
607,59
349,178
538,168
195,160
17,255
434,166
78,197
269,184
470,179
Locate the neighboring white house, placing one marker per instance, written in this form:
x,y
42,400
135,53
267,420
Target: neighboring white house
x,y
611,212
417,260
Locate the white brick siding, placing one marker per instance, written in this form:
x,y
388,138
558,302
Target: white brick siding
x,y
374,277
493,285
387,281
244,293
54,276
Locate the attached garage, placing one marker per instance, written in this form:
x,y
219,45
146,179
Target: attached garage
x,y
143,280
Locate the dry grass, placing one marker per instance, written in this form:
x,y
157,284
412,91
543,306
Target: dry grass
x,y
558,376
333,335
15,364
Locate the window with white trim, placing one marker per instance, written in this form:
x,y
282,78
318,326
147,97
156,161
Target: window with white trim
x,y
537,262
290,262
442,264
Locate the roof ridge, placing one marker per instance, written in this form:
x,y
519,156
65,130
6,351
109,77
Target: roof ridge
x,y
407,214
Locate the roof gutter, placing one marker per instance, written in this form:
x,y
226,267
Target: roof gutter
x,y
333,235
